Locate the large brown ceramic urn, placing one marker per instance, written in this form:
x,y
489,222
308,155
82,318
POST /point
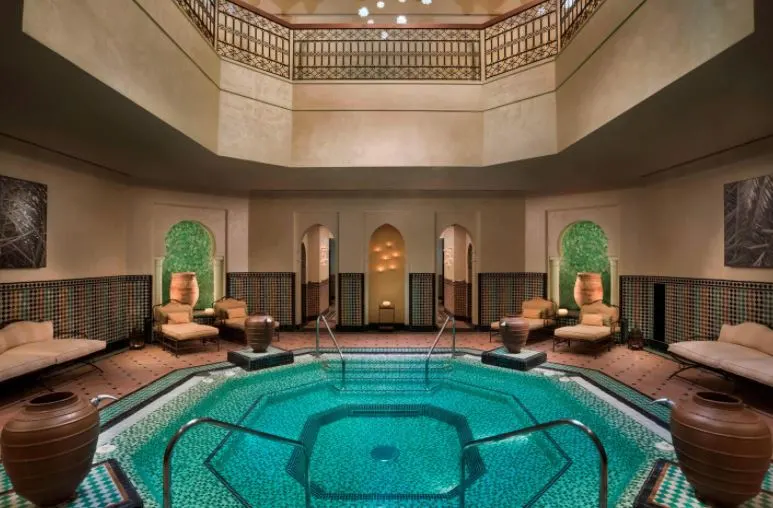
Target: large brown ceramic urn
x,y
515,333
588,288
259,330
48,446
184,288
723,447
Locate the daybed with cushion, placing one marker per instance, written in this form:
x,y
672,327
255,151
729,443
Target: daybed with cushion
x,y
176,329
29,346
537,311
230,314
597,324
744,350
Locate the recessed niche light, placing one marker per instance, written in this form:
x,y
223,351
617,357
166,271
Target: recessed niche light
x,y
363,12
388,244
379,268
370,21
380,4
393,267
376,249
401,20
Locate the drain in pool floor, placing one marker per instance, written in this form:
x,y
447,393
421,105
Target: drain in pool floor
x,y
385,453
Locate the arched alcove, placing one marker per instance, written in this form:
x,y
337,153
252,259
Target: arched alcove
x,y
386,274
456,272
584,247
316,272
190,247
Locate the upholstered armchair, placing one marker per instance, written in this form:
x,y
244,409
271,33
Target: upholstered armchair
x,y
597,325
173,324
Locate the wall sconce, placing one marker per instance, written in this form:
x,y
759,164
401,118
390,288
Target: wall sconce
x,y
389,244
395,254
377,248
393,267
386,258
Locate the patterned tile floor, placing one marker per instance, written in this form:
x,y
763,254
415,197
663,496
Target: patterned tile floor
x,y
128,371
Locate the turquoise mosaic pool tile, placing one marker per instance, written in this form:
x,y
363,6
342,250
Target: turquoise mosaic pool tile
x,y
105,486
667,487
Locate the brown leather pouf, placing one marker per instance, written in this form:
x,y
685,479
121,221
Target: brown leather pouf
x,y
515,333
259,330
48,446
723,448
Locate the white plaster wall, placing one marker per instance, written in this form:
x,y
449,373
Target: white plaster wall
x,y
119,43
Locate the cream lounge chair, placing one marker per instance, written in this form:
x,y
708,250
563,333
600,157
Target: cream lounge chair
x,y
597,325
230,315
539,312
176,329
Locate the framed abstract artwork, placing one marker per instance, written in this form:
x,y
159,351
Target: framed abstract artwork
x,y
749,223
23,207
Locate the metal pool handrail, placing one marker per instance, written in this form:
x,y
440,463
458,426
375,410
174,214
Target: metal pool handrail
x,y
230,426
603,485
323,319
451,318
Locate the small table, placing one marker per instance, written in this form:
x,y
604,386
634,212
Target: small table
x,y
204,317
390,325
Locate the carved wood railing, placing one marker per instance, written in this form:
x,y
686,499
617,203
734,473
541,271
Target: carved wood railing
x,y
530,34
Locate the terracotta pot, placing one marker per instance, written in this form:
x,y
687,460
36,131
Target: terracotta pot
x,y
588,288
515,333
48,446
723,448
259,330
184,288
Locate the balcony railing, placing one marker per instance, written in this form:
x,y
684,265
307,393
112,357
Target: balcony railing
x,y
531,34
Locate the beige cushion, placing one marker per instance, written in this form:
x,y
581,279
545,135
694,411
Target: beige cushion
x,y
178,318
188,331
583,332
751,335
532,313
495,325
61,350
760,370
609,314
712,352
236,312
592,320
19,364
25,332
237,322
546,306
222,306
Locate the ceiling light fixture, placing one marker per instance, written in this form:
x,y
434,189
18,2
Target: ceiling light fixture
x,y
370,21
363,12
380,4
401,20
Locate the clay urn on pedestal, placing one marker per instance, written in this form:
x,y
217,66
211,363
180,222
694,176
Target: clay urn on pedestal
x,y
259,330
184,288
49,444
515,333
588,288
723,447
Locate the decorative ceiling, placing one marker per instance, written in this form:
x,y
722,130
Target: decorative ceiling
x,y
345,11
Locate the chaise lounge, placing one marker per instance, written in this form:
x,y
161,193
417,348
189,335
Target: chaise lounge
x,y
176,329
230,315
539,312
597,325
744,350
29,346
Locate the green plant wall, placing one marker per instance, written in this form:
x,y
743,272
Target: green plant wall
x,y
584,248
190,248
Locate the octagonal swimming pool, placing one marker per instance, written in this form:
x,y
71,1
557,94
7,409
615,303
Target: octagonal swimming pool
x,y
388,438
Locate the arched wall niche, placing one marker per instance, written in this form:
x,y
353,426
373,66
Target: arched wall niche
x,y
165,216
387,275
314,273
190,247
607,218
456,272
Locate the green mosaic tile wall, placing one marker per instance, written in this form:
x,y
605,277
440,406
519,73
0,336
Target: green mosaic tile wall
x,y
189,248
583,249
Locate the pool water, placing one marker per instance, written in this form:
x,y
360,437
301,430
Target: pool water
x,y
388,440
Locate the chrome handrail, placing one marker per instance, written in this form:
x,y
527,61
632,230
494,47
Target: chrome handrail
x,y
167,492
451,318
603,485
323,319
